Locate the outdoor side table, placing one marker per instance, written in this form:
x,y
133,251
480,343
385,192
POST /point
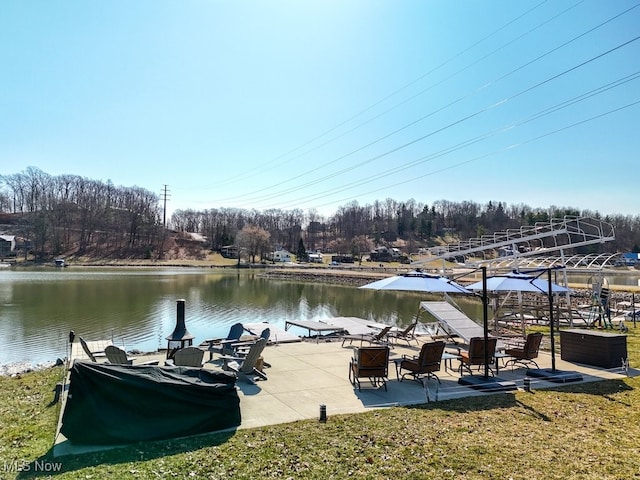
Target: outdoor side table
x,y
447,359
497,357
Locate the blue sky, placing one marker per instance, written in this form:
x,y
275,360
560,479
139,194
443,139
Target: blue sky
x,y
316,104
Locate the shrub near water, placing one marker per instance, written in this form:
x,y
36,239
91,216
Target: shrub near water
x,y
583,431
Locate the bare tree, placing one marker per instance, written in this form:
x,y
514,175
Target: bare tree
x,y
361,245
315,227
5,202
254,240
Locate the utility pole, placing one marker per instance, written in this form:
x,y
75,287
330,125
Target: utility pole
x,y
164,195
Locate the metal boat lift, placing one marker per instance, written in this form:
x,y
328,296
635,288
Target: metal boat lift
x,y
543,245
508,249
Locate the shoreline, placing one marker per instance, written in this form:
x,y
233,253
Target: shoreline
x,y
360,277
18,368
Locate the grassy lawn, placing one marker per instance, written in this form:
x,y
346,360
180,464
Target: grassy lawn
x,y
585,431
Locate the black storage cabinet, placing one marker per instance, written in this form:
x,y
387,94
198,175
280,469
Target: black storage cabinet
x,y
600,349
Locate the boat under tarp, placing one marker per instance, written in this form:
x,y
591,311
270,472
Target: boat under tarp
x,y
118,404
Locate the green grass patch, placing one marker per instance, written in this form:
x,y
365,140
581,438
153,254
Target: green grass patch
x,y
581,431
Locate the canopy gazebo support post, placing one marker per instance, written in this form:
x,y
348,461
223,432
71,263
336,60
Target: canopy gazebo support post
x,y
485,319
552,374
551,322
485,382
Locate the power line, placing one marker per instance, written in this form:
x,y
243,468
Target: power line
x,y
270,164
448,150
413,97
477,139
445,127
254,198
490,154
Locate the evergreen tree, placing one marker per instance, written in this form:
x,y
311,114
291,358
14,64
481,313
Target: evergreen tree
x,y
301,254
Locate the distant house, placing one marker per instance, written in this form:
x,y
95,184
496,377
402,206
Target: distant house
x,y
279,256
315,257
385,254
229,251
7,245
196,237
342,259
629,259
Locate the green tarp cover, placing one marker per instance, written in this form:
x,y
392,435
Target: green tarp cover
x,y
116,404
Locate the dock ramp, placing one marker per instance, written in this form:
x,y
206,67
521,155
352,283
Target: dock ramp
x,y
454,322
278,335
351,325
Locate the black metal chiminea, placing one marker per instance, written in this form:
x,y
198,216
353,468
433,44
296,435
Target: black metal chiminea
x,y
180,337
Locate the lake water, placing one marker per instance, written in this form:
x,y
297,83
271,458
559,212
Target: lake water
x,y
136,307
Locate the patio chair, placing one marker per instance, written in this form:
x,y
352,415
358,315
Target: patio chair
x,y
118,356
380,338
476,354
371,363
186,357
93,355
248,366
242,347
223,345
524,355
408,334
423,365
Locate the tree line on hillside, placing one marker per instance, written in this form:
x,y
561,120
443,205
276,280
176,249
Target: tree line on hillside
x,y
70,213
65,213
356,228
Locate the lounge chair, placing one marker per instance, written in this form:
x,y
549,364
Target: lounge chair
x,y
187,357
118,356
222,345
476,354
380,338
525,354
248,366
93,355
423,365
371,363
408,334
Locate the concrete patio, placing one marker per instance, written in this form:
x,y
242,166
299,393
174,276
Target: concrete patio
x,y
305,375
